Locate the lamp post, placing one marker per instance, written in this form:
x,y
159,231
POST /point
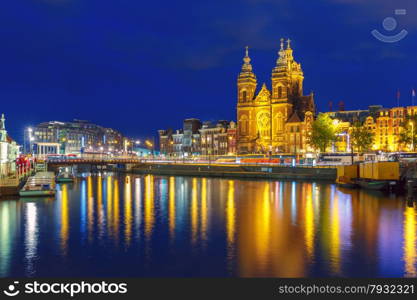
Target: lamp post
x,y
151,145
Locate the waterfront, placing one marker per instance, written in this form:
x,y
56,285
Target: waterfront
x,y
148,226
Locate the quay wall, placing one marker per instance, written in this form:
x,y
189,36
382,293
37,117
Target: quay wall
x,y
236,171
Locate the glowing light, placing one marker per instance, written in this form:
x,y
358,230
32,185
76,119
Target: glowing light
x,y
149,206
335,235
204,209
116,207
128,210
410,238
194,211
230,214
309,223
64,219
100,211
109,201
31,236
171,209
90,204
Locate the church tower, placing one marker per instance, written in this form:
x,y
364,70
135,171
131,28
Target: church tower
x,y
273,120
246,87
3,132
287,76
246,83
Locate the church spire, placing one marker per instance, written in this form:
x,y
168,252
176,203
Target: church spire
x,y
3,132
247,67
246,81
288,44
2,122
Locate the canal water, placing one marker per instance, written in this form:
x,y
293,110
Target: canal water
x,y
149,226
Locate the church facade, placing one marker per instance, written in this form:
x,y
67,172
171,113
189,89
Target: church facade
x,y
276,119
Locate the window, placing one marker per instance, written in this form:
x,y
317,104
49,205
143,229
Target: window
x,y
244,95
280,92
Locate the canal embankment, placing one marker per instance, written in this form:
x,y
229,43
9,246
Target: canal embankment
x,y
235,171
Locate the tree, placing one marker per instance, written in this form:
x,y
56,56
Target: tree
x,y
361,137
323,132
408,136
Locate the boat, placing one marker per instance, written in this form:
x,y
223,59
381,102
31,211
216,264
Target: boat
x,y
42,184
346,182
346,175
65,177
373,184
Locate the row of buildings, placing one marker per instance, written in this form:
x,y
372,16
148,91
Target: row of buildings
x,y
74,137
199,138
82,137
279,118
386,124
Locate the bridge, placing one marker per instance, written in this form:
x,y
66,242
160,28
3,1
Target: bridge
x,y
91,161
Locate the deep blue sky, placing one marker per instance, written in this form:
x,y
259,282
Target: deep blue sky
x,y
139,66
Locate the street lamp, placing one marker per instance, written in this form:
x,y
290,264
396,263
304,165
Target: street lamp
x,y
150,144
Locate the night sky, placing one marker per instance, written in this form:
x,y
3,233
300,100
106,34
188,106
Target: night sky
x,y
139,66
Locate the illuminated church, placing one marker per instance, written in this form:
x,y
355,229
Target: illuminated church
x,y
276,120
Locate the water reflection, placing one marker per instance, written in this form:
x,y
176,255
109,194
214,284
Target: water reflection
x,y
63,195
31,237
182,226
410,251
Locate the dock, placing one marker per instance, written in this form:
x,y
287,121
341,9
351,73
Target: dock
x,y
41,184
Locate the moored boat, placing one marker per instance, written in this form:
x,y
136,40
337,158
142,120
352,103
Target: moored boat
x,y
65,177
372,184
42,184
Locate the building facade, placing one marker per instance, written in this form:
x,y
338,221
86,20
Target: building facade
x,y
278,119
9,151
197,138
214,138
386,124
72,138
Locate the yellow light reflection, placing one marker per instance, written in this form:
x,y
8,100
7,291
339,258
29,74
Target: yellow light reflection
x,y
263,224
90,204
309,223
109,201
204,209
149,205
64,218
116,210
335,236
171,207
138,204
410,247
194,211
231,214
100,204
128,210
